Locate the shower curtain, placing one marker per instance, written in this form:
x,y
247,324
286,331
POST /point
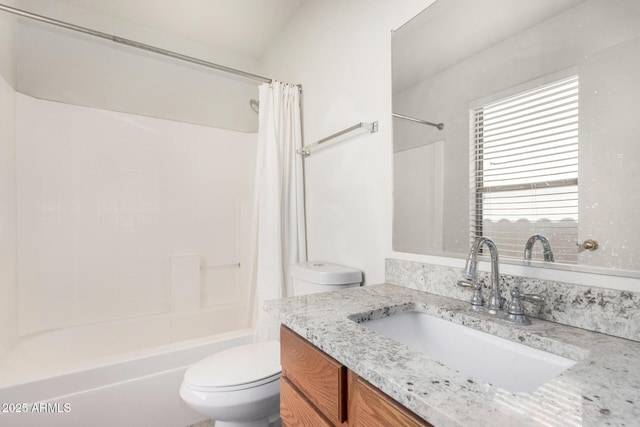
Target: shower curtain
x,y
278,229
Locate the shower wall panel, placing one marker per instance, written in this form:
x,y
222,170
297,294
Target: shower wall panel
x,y
106,198
8,236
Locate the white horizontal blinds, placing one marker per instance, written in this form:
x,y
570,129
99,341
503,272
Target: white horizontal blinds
x,y
525,180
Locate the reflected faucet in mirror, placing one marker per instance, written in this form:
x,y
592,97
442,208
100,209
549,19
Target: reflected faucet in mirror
x,y
546,247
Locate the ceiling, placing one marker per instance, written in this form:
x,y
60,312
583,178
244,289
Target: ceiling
x,y
243,27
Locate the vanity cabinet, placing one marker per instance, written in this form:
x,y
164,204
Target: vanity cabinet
x,y
316,390
311,379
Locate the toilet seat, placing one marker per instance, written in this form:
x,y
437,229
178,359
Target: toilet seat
x,y
237,368
245,386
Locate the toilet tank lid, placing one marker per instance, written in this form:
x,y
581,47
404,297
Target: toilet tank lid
x,y
325,273
235,366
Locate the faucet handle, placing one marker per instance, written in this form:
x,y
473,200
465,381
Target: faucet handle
x,y
516,296
515,305
515,310
467,283
537,298
477,299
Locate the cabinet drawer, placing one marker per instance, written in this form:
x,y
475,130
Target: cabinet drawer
x,y
318,376
296,410
374,408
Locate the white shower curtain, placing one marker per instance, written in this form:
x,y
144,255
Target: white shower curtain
x,y
278,231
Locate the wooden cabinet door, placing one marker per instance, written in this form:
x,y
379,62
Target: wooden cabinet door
x,y
296,410
369,407
320,378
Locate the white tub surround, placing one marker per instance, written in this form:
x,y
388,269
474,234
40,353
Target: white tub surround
x,y
66,350
603,388
121,216
610,311
129,389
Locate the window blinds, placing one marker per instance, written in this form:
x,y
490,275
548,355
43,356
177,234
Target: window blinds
x,y
525,174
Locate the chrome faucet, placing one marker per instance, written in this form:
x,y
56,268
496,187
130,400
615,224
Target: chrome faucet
x,y
494,304
546,247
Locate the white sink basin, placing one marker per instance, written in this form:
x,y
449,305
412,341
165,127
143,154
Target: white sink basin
x,y
503,363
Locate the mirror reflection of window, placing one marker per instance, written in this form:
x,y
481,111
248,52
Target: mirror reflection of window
x,y
524,173
527,45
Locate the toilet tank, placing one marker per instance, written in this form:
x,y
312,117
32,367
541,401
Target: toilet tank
x,y
313,277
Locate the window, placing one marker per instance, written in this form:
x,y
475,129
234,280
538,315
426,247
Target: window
x,y
525,170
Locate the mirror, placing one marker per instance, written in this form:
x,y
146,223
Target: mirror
x,y
469,65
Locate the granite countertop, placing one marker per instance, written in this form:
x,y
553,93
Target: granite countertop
x,y
602,388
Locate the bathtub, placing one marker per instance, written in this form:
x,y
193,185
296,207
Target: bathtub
x,y
120,373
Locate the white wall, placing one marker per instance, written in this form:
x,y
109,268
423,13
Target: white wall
x,y
8,46
67,66
105,198
8,230
418,201
340,52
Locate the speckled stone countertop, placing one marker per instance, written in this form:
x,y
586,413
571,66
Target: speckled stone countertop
x,y
602,389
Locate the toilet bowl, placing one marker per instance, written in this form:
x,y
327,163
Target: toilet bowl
x,y
240,387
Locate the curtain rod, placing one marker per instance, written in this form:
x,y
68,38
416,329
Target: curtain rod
x,y
134,44
440,126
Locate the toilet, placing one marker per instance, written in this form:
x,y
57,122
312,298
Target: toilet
x,y
240,387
